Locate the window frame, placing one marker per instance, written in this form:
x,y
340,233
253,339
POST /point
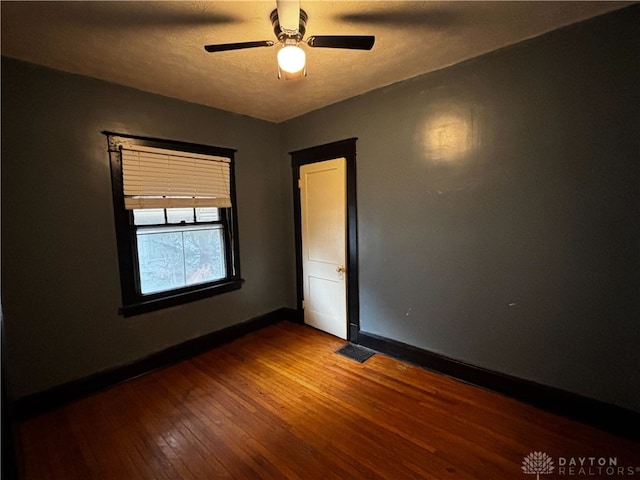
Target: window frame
x,y
134,302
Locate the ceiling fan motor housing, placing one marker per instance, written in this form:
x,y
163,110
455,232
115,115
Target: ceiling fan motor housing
x,y
282,34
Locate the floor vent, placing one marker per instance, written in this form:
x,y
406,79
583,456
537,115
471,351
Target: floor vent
x,y
356,352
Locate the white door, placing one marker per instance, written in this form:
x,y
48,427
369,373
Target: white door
x,y
323,209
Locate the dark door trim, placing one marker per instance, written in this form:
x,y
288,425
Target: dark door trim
x,y
347,149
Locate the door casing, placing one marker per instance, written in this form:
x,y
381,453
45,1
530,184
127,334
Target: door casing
x,y
347,149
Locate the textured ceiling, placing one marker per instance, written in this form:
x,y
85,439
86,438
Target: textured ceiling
x,y
158,46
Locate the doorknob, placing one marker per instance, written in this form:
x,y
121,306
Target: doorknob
x,y
341,269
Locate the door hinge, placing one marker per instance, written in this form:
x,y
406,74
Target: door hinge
x,y
299,183
303,304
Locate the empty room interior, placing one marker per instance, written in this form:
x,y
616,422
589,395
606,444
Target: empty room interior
x,y
413,254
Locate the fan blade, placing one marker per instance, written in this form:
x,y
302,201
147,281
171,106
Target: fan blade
x,y
288,14
223,47
355,42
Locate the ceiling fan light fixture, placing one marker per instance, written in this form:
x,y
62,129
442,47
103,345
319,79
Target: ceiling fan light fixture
x,y
291,59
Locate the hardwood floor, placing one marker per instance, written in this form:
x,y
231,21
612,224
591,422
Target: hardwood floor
x,y
279,404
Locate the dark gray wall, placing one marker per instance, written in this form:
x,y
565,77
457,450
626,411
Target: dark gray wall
x,y
60,281
499,208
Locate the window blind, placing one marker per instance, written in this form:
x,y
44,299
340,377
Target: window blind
x,y
159,178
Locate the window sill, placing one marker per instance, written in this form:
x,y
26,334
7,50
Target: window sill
x,y
179,298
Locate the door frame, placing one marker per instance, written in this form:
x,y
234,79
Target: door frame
x,y
347,149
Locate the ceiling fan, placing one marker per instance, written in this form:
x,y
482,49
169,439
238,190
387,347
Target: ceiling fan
x,y
289,25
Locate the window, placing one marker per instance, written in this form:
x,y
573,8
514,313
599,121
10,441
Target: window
x,y
188,252
176,221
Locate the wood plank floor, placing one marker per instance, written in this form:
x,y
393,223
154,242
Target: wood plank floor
x,y
279,404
